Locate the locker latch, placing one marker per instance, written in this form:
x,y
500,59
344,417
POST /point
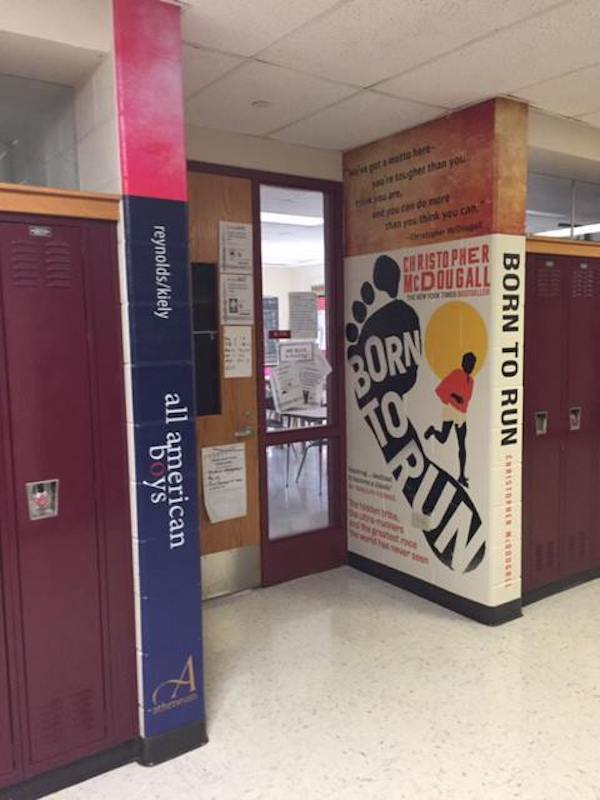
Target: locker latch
x,y
42,499
541,423
575,418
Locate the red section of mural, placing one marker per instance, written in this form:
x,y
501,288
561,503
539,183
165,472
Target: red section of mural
x,y
150,98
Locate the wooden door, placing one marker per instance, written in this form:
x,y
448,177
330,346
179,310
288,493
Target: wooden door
x,y
230,549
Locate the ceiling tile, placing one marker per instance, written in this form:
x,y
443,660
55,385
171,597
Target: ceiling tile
x,y
227,103
245,28
536,50
357,120
571,95
366,41
201,67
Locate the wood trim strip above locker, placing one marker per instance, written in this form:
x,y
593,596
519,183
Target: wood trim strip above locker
x,y
560,247
18,199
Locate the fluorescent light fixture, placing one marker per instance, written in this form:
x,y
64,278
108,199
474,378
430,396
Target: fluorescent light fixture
x,y
565,233
552,214
290,219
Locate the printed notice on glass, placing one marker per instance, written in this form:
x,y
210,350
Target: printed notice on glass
x,y
235,247
237,351
303,315
224,481
293,350
286,388
237,300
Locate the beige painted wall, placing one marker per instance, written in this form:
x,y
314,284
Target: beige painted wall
x,y
96,130
564,147
254,152
279,281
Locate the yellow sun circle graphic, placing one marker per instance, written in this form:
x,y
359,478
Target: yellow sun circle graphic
x,y
454,329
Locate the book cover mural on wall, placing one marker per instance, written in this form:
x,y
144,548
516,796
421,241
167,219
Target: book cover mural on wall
x,y
434,349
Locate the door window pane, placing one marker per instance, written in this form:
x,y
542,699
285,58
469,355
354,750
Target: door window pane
x,y
295,312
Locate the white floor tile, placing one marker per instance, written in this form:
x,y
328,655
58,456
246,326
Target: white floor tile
x,y
338,686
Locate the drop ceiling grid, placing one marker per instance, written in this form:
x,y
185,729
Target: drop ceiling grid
x,y
314,73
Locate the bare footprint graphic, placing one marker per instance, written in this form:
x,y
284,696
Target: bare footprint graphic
x,y
384,354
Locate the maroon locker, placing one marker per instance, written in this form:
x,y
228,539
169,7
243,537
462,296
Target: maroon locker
x,y
582,377
545,350
63,406
49,391
8,754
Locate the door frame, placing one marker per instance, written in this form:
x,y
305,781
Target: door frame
x,y
315,551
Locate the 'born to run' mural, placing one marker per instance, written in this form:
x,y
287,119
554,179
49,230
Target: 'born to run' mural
x,y
431,449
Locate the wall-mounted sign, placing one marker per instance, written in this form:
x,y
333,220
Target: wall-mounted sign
x,y
280,334
303,315
295,350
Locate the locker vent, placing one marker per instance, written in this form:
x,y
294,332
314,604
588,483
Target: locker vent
x,y
52,722
550,555
584,283
25,265
35,265
59,265
82,710
547,281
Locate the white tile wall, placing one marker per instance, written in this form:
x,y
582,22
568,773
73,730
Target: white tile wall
x,y
96,131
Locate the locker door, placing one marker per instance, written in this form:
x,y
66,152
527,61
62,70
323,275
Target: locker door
x,y
582,376
49,396
544,423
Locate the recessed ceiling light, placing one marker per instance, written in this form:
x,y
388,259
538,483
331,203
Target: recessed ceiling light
x,y
260,103
290,219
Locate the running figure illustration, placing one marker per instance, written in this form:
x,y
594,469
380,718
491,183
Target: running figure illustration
x,y
455,392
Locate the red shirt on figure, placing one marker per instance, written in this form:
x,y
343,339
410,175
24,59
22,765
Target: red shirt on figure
x,y
456,390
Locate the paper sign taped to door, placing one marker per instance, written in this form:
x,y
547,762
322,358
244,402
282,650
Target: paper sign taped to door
x,y
224,481
237,300
237,351
235,246
286,388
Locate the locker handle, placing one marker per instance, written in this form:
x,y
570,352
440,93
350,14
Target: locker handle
x,y
541,423
575,418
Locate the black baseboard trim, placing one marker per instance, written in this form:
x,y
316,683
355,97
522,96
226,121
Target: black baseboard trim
x,y
157,749
540,593
81,770
488,615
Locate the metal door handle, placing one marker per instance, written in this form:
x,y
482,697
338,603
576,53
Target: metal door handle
x,y
244,433
575,418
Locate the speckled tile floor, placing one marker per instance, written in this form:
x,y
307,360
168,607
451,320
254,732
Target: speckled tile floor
x,y
338,686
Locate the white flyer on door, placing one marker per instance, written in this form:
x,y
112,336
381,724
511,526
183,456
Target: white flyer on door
x,y
286,388
235,247
237,300
237,351
224,481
